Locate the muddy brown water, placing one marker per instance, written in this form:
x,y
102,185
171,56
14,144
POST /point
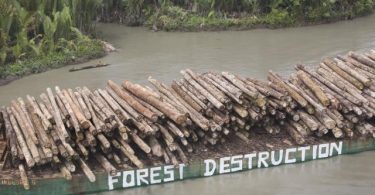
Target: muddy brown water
x,y
250,53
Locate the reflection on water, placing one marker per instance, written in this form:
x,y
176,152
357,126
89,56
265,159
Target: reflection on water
x,y
348,174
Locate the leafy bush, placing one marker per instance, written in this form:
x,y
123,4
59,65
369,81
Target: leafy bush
x,y
221,14
31,28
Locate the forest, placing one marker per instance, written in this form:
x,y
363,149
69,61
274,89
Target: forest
x,y
36,35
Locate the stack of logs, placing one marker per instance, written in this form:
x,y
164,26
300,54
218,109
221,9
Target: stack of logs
x,y
124,126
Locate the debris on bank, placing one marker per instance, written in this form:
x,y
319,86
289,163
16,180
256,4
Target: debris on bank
x,y
98,65
108,48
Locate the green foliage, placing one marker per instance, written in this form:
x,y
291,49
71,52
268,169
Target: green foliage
x,y
278,18
36,29
69,52
133,10
223,14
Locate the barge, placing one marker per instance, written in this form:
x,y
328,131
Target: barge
x,y
89,140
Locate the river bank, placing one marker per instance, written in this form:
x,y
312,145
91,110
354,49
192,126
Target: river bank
x,y
175,18
91,49
215,15
38,36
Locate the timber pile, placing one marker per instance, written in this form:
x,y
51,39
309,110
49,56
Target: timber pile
x,y
127,125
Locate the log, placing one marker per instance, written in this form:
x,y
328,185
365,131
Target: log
x,y
223,89
132,102
65,172
99,125
156,148
363,59
333,66
330,85
172,157
103,161
140,143
130,112
74,99
242,137
100,65
86,170
24,179
134,159
65,115
195,116
159,114
342,84
9,132
337,132
166,158
169,111
100,105
186,97
126,146
360,77
45,120
238,83
309,120
61,131
82,150
71,152
241,111
202,91
83,122
325,120
308,98
103,141
13,114
90,138
354,62
299,127
83,105
23,121
210,88
46,107
314,87
232,89
37,122
167,95
70,166
294,134
193,96
182,155
112,104
295,95
268,90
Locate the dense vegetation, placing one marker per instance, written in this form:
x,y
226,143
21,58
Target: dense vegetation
x,y
38,34
245,14
239,14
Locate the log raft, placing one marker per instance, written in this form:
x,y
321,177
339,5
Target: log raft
x,y
130,125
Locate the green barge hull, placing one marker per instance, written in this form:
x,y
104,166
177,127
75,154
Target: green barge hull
x,y
128,178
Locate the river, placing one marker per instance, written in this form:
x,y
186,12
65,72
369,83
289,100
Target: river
x,y
142,53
